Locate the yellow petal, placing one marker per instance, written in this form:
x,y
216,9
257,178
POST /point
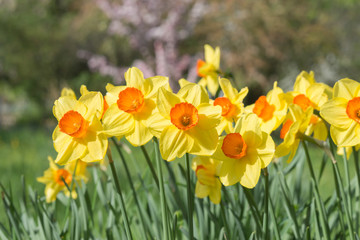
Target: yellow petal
x,y
215,193
112,94
240,96
157,82
194,94
205,142
229,174
97,146
183,82
201,191
116,122
156,123
60,139
174,143
346,137
83,90
63,105
334,112
94,102
72,151
140,135
249,127
303,81
266,150
165,101
209,116
227,88
135,78
212,56
68,92
251,174
346,88
212,83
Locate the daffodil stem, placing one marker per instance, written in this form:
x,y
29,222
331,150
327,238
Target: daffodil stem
x,y
254,209
118,189
266,205
347,178
190,197
357,170
152,169
131,185
164,215
323,217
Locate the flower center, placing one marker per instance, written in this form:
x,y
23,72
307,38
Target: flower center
x,y
200,63
105,107
227,108
131,100
314,119
234,146
205,176
73,124
353,109
285,128
184,116
303,101
263,109
62,175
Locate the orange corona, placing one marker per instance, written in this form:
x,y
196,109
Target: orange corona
x,y
234,146
303,101
131,100
227,108
62,175
73,124
285,128
353,109
263,109
184,116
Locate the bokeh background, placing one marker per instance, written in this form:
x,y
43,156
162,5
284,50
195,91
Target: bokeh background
x,y
46,45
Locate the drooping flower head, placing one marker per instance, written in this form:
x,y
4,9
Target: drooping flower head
x,y
185,122
130,106
231,105
343,113
295,124
57,178
78,134
208,69
271,109
244,152
207,172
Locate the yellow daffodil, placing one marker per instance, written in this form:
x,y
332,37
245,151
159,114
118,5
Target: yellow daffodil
x,y
295,124
208,184
130,106
208,69
78,134
271,109
231,104
343,113
185,122
54,178
68,92
308,93
244,152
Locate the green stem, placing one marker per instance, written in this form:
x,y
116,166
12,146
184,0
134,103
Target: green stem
x,y
272,213
152,169
164,214
131,186
357,169
118,189
266,206
253,208
190,197
347,178
323,217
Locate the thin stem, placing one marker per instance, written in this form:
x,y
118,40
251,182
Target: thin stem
x,y
266,206
190,197
347,178
131,185
152,169
323,217
164,214
253,208
227,231
118,189
357,169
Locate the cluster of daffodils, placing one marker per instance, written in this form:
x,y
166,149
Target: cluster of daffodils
x,y
231,142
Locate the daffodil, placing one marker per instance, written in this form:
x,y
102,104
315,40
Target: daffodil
x,y
308,93
208,184
68,92
185,122
343,113
78,134
231,104
55,178
271,109
244,152
295,124
208,69
130,106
